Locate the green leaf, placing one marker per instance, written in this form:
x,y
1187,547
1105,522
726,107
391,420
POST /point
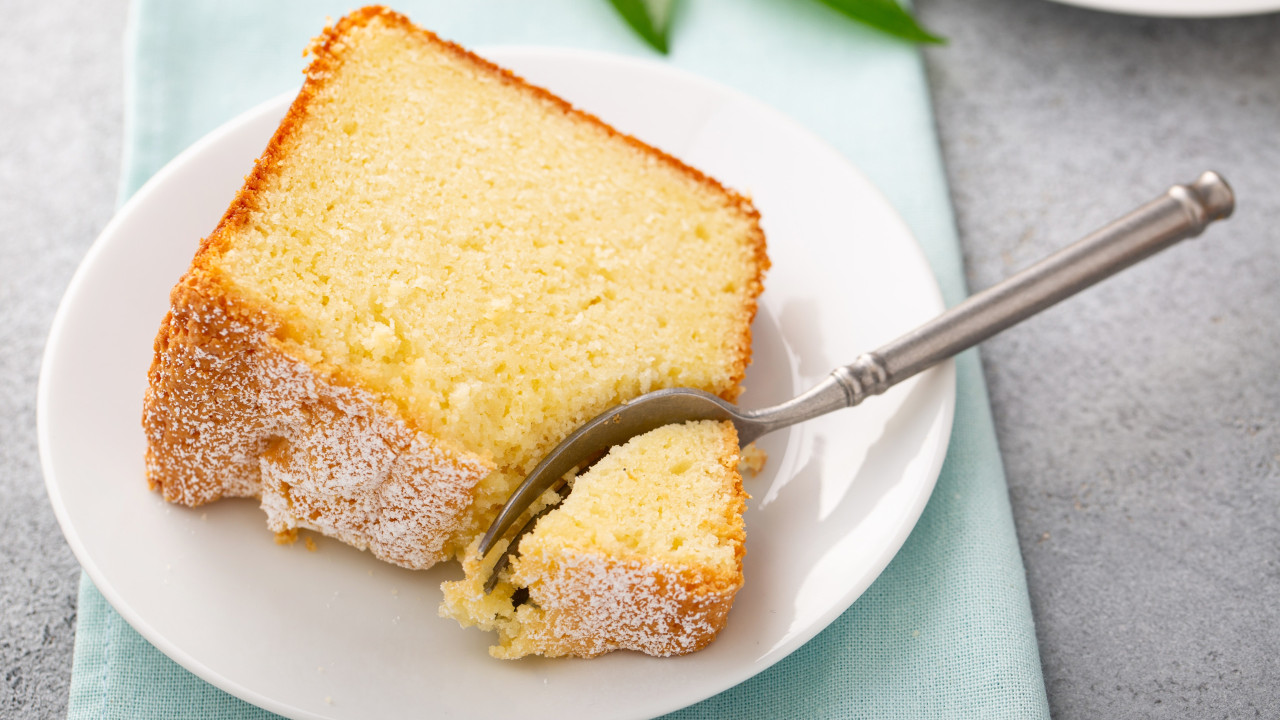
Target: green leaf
x,y
886,15
651,19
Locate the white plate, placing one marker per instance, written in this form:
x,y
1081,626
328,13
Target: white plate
x,y
336,633
1181,8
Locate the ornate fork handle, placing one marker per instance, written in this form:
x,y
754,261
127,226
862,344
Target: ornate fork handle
x,y
1184,211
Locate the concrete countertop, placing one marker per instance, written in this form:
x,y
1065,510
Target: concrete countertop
x,y
1139,423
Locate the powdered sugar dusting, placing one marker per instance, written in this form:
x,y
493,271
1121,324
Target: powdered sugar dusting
x,y
594,583
587,604
230,413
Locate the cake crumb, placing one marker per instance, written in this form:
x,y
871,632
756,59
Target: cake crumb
x,y
311,544
752,460
287,537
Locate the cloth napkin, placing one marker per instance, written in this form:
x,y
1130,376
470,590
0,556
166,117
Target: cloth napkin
x,y
946,631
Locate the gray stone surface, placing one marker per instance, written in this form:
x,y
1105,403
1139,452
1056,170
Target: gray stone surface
x,y
1139,422
60,110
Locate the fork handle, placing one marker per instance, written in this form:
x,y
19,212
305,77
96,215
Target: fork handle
x,y
1184,211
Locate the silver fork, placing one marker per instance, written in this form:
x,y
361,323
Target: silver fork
x,y
1181,212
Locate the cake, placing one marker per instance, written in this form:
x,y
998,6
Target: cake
x,y
433,273
644,554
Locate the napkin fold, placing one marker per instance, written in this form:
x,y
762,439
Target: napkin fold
x,y
946,631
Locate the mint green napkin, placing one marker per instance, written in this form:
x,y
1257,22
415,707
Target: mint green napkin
x,y
946,631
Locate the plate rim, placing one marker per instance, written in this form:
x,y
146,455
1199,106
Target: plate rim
x,y
54,338
1199,9
276,105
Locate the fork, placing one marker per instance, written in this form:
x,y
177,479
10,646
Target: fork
x,y
1183,211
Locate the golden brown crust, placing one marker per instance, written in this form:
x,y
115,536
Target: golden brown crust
x,y
327,58
326,50
229,413
201,391
594,605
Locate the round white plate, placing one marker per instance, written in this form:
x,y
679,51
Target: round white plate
x,y
1181,8
337,634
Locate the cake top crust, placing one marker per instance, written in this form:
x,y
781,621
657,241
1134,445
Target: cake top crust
x,y
498,264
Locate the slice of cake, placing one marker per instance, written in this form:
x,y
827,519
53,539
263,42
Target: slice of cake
x,y
434,272
645,554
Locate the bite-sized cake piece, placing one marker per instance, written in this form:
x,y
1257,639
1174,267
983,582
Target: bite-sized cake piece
x,y
435,272
645,554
